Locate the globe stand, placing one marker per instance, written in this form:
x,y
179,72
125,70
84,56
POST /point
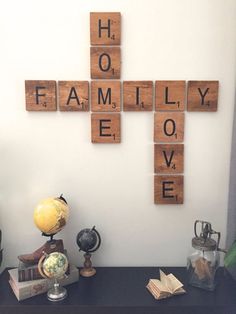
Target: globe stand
x,y
49,235
56,293
88,270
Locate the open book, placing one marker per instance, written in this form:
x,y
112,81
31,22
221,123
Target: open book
x,y
167,286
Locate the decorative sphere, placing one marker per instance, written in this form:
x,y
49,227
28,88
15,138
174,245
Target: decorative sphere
x,y
55,265
51,215
88,240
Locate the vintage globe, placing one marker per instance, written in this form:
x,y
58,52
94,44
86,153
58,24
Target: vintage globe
x,y
55,265
51,215
88,240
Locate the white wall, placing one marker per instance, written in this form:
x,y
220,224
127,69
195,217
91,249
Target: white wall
x,y
111,186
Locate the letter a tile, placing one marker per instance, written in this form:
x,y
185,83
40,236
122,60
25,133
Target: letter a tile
x,y
105,28
105,62
168,189
40,95
73,95
105,127
169,158
202,95
168,127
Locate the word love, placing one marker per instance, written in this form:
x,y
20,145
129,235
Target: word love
x,y
167,98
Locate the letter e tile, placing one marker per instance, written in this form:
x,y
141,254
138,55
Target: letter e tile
x,y
168,189
105,127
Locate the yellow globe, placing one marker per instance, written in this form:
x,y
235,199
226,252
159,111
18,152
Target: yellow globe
x,y
51,215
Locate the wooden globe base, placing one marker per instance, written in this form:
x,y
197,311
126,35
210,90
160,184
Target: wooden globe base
x,y
87,270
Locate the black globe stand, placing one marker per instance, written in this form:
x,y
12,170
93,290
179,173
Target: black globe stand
x,y
88,240
49,235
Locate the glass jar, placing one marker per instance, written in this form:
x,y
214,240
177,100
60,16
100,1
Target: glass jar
x,y
204,260
202,267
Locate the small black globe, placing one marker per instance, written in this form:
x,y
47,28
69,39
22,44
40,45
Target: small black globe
x,y
88,240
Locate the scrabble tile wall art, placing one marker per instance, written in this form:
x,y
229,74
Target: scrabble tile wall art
x,y
105,96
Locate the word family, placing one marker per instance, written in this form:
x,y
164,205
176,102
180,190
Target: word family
x,y
108,98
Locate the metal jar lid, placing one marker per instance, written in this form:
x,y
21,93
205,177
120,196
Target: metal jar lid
x,y
204,244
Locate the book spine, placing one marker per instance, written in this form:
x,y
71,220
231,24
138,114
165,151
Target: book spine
x,y
33,273
28,274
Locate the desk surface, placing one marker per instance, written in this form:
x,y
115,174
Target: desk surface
x,y
118,290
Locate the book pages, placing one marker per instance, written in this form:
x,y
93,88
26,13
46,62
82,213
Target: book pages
x,y
174,282
159,285
157,293
166,281
167,286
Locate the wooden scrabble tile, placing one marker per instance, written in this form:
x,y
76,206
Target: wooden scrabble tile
x,y
105,96
170,95
105,62
105,127
168,127
105,28
202,95
73,95
137,95
168,189
169,158
40,95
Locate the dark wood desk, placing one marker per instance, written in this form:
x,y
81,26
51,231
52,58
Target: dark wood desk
x,y
121,290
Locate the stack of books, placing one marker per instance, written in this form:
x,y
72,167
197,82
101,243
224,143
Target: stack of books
x,y
27,289
28,272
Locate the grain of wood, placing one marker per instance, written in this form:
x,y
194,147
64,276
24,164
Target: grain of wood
x,y
202,95
40,95
169,189
105,96
73,95
168,127
105,128
105,28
